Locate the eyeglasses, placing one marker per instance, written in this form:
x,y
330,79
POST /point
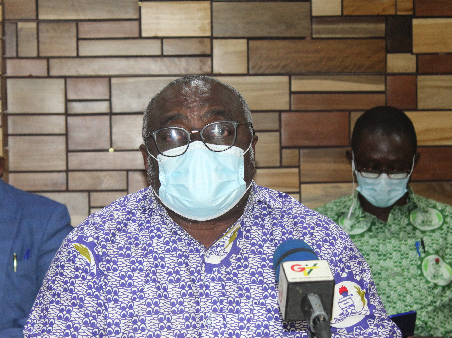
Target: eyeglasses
x,y
374,173
222,133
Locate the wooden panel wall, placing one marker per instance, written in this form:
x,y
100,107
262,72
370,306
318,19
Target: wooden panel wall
x,y
78,74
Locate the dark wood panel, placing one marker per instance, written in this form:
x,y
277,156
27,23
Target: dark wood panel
x,y
434,63
347,27
401,91
399,37
317,56
434,164
433,7
261,19
315,129
336,101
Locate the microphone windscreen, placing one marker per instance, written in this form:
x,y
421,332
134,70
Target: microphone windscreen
x,y
292,250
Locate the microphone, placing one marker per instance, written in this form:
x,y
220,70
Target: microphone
x,y
305,286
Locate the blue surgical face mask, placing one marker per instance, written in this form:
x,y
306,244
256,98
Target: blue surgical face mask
x,y
382,191
202,184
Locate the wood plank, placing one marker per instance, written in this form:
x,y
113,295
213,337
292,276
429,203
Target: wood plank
x,y
97,180
338,83
438,191
432,127
104,198
38,181
317,56
336,101
36,124
186,46
230,56
434,63
265,121
26,67
10,39
302,129
399,34
88,107
120,47
268,149
88,88
284,179
405,7
316,195
261,19
348,27
431,165
324,165
126,131
433,8
136,181
27,39
20,9
132,94
80,131
175,18
326,7
118,160
129,66
401,63
35,95
87,9
432,35
368,7
57,39
433,91
401,91
290,157
108,29
42,153
261,92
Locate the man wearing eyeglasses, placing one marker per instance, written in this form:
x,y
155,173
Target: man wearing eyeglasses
x,y
191,256
405,238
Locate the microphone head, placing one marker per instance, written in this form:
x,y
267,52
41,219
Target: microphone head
x,y
292,250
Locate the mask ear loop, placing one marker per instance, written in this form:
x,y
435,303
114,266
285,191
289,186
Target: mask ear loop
x,y
353,187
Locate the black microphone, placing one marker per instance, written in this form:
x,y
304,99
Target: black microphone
x,y
305,286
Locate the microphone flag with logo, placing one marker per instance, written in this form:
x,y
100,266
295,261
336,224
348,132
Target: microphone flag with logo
x,y
305,286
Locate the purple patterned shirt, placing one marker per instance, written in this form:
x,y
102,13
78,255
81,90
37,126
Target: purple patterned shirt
x,y
130,271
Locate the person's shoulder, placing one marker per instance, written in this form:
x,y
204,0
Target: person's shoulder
x,y
337,206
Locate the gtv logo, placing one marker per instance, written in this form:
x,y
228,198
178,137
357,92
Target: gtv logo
x,y
306,269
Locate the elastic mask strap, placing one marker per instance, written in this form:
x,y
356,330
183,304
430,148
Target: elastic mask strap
x,y
353,187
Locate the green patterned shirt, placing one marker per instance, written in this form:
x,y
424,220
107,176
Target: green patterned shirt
x,y
407,276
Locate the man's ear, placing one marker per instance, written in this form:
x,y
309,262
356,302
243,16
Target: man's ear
x,y
144,153
253,144
349,156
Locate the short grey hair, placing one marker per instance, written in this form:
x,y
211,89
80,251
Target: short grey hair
x,y
191,79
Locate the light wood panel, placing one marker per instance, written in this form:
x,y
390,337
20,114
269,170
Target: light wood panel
x,y
268,149
326,7
433,91
230,56
285,179
27,39
120,47
432,35
186,46
97,180
338,83
401,63
316,195
175,18
432,127
324,165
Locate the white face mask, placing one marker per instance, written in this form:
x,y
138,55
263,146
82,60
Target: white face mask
x,y
202,184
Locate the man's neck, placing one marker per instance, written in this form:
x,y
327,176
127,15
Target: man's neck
x,y
381,213
207,232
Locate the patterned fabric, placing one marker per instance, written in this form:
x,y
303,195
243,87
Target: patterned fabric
x,y
407,277
129,271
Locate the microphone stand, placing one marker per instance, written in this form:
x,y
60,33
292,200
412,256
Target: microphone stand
x,y
319,323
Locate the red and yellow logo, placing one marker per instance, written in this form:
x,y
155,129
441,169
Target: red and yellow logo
x,y
305,269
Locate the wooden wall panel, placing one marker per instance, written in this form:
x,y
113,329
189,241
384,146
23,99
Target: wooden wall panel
x,y
79,73
316,56
261,19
